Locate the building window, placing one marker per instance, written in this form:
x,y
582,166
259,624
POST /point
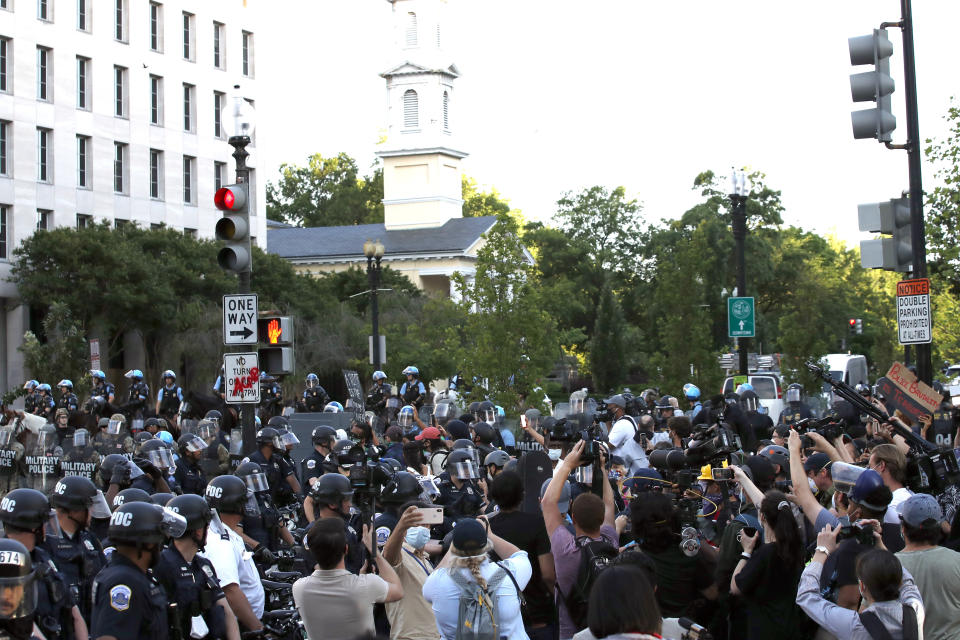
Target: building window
x,y
218,98
4,142
44,219
44,74
120,20
219,55
83,162
44,155
156,174
156,100
438,37
446,111
5,51
190,233
411,29
43,10
120,223
411,117
84,221
119,167
3,230
248,54
188,36
120,92
156,26
219,174
83,18
189,176
189,121
83,82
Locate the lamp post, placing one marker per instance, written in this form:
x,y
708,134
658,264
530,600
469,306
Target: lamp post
x,y
374,252
239,118
738,211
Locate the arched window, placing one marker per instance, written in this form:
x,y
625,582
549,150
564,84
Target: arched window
x,y
411,29
446,111
411,116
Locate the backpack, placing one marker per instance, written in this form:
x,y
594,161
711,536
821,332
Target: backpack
x,y
477,617
595,556
638,436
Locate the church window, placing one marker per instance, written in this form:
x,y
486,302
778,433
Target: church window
x,y
411,29
411,117
446,111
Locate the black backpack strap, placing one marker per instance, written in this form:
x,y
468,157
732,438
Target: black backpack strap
x,y
874,627
911,628
523,600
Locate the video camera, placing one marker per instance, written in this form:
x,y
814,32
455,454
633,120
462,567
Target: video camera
x,y
829,426
366,475
862,533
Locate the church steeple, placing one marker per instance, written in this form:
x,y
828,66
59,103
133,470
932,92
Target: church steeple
x,y
421,161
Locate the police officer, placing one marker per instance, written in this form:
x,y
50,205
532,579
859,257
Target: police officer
x,y
332,497
271,395
268,441
127,601
377,397
61,420
289,466
215,460
17,584
483,435
79,458
25,513
413,390
796,409
113,436
11,460
692,394
77,553
189,579
68,399
402,488
189,474
44,404
118,473
459,493
30,399
312,468
761,426
102,388
137,395
261,518
169,396
946,420
314,397
160,456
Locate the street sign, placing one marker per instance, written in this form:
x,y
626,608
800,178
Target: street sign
x,y
242,378
741,318
240,319
914,324
94,353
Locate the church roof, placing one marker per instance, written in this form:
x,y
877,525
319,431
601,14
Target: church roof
x,y
337,244
413,68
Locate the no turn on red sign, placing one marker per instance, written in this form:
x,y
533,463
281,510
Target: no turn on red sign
x,y
914,320
241,372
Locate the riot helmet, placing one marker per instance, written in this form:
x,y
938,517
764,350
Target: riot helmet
x,y
403,487
116,424
156,451
331,489
208,429
226,494
137,523
269,436
312,381
43,386
152,422
777,455
462,464
65,384
390,466
288,438
169,374
215,416
130,495
139,439
749,400
28,510
76,493
18,581
379,375
190,443
405,417
194,510
794,393
81,438
342,454
134,374
497,458
97,374
487,412
277,422
162,498
865,390
411,371
323,436
253,476
333,407
31,385
533,417
483,432
691,392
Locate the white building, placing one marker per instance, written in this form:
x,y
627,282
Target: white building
x,y
110,110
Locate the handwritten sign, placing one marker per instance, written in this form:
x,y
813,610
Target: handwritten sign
x,y
905,392
242,373
355,389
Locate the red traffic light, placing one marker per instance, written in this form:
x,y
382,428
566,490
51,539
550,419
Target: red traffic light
x,y
231,198
853,322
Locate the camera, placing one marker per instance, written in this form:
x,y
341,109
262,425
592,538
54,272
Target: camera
x,y
603,413
863,534
365,475
829,426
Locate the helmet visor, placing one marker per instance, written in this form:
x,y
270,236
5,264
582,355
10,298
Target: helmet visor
x,y
430,491
194,444
793,395
393,403
99,508
533,421
46,439
172,525
18,594
311,383
442,411
256,482
289,439
845,476
466,470
236,442
405,419
81,438
6,436
51,528
207,430
135,471
136,425
114,427
162,458
749,403
488,415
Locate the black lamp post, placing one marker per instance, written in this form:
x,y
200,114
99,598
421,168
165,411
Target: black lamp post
x,y
738,211
374,252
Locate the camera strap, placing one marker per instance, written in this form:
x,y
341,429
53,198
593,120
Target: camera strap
x,y
876,629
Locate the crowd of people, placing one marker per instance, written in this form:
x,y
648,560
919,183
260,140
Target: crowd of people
x,y
426,516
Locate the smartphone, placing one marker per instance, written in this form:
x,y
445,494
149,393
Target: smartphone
x,y
749,531
431,515
722,473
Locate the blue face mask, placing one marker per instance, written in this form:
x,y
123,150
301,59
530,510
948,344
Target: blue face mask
x,y
417,537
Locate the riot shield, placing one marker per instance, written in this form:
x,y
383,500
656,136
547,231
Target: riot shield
x,y
534,467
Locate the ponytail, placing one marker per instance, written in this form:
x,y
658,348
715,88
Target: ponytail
x,y
778,513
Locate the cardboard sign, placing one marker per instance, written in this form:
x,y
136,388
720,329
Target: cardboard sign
x,y
905,392
355,389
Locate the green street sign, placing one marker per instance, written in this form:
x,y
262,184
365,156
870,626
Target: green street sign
x,y
741,318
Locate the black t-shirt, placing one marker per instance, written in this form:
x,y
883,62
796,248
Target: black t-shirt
x,y
529,533
680,579
769,589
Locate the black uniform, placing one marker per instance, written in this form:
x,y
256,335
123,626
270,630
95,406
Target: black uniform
x,y
54,613
170,400
271,398
276,471
944,427
262,521
127,603
137,399
30,402
69,401
794,412
45,406
312,467
190,476
79,558
315,399
458,503
105,391
194,588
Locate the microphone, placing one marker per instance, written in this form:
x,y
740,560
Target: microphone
x,y
694,630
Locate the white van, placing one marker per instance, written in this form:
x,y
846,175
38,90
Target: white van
x,y
845,367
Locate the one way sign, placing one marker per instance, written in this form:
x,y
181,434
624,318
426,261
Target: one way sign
x,y
240,319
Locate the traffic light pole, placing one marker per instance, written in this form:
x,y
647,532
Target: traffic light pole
x,y
739,224
247,411
373,276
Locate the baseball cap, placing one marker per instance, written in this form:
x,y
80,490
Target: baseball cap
x,y
470,537
563,503
645,479
920,510
394,433
430,433
458,430
761,471
617,400
816,462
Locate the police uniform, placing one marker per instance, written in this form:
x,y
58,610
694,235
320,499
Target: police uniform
x,y
137,398
413,393
79,558
356,553
376,400
271,395
275,470
45,406
944,426
30,402
105,390
193,586
315,399
457,503
794,413
169,399
190,476
54,613
127,603
261,521
312,467
69,401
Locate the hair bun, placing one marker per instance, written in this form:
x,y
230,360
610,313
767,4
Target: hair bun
x,y
783,505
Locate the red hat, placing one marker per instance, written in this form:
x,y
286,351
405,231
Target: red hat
x,y
430,433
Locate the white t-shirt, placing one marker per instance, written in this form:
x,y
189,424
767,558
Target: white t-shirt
x,y
234,565
899,495
443,593
621,439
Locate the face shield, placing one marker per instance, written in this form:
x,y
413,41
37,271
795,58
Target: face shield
x,y
18,594
584,475
216,525
46,440
429,489
194,444
135,471
236,442
289,439
561,410
466,470
256,482
844,476
207,430
488,415
6,437
172,525
114,427
749,403
311,383
533,419
405,419
161,458
81,438
793,395
99,510
443,412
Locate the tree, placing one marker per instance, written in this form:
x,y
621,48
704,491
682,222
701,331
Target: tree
x,y
606,222
607,358
325,193
942,220
478,203
64,353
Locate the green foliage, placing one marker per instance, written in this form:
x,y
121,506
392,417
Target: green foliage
x,y
63,355
328,192
942,219
345,285
607,358
478,203
605,222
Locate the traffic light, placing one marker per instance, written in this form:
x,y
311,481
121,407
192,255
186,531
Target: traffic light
x,y
891,217
276,338
852,324
858,327
872,86
233,228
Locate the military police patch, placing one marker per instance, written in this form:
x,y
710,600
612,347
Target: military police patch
x,y
382,534
120,597
311,464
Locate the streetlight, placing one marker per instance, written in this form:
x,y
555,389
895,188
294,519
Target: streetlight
x,y
738,210
239,118
374,252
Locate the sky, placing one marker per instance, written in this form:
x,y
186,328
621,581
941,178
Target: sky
x,y
558,95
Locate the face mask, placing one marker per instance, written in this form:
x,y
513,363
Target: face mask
x,y
417,537
813,485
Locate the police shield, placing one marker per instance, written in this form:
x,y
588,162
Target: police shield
x,y
79,458
43,462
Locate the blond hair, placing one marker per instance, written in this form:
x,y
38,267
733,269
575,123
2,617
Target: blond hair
x,y
471,563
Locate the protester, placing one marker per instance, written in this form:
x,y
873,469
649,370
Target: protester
x,y
411,618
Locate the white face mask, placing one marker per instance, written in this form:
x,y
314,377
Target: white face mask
x,y
417,537
813,485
